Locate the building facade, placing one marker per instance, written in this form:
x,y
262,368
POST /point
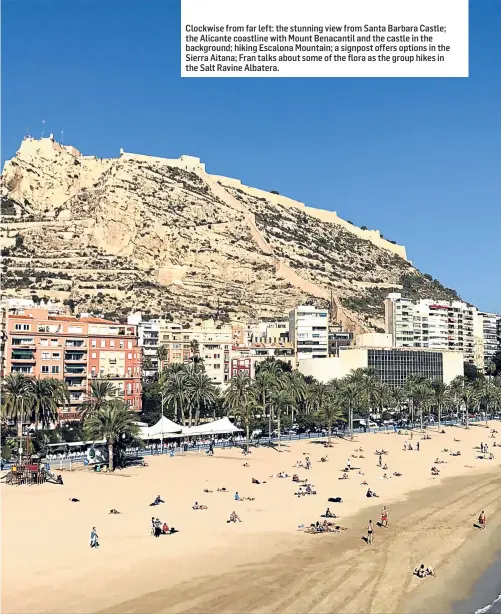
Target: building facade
x,y
491,325
308,332
245,358
77,351
439,325
391,365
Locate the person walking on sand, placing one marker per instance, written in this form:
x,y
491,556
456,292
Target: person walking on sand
x,y
94,543
482,520
370,533
384,517
417,446
380,460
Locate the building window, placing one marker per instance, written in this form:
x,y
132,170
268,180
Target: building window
x,y
112,343
44,343
56,356
93,343
103,343
93,355
45,368
129,345
75,329
55,369
45,355
54,343
122,344
22,327
129,356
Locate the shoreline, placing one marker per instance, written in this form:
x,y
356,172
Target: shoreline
x,y
264,564
315,578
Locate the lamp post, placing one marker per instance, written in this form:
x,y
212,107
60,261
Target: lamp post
x,y
162,433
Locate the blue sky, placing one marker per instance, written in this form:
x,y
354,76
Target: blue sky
x,y
418,159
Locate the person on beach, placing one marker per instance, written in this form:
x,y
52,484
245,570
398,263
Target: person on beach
x,y
157,501
384,517
482,520
158,528
94,539
380,461
237,497
417,446
370,533
234,517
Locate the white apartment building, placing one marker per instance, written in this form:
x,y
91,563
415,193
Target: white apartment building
x,y
439,325
309,332
491,322
245,358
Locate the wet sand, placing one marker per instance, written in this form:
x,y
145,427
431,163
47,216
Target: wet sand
x,y
264,564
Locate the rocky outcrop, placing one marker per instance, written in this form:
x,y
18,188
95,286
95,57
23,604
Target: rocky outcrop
x,y
165,237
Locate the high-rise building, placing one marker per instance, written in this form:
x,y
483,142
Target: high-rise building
x,y
245,358
491,325
308,332
440,325
77,350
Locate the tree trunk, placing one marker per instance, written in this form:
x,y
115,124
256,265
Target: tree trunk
x,y
110,456
247,437
278,425
330,433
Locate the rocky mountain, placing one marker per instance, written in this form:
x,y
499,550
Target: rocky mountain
x,y
165,237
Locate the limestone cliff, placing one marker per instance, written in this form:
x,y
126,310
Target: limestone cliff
x,y
165,237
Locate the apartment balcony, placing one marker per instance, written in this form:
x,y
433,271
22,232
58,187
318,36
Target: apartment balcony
x,y
75,360
81,346
76,386
24,346
77,400
17,358
68,372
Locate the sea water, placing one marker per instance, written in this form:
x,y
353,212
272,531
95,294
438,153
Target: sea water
x,y
486,595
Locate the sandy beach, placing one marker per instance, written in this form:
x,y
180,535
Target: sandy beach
x,y
265,563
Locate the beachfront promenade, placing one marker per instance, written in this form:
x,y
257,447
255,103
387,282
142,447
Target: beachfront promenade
x,y
65,463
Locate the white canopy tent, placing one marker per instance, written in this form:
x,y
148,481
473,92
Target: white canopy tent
x,y
163,427
222,426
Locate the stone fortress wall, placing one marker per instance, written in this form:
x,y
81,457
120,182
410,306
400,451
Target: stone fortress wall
x,y
193,164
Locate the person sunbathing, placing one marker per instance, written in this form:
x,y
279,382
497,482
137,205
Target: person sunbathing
x,y
223,489
197,506
457,440
435,471
74,500
234,517
397,474
334,500
309,490
422,572
254,481
385,467
329,514
324,459
345,476
246,465
207,490
114,511
157,501
295,477
370,493
364,483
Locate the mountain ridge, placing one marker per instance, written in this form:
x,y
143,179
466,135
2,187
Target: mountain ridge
x,y
164,236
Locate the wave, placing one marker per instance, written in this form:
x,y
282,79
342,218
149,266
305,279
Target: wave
x,y
489,607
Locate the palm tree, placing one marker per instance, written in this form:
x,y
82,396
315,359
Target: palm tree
x,y
382,396
331,411
200,392
366,380
240,400
100,392
48,395
111,422
399,398
281,400
295,384
440,391
484,387
410,384
265,383
470,397
422,397
175,395
195,351
162,356
456,391
350,392
16,398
